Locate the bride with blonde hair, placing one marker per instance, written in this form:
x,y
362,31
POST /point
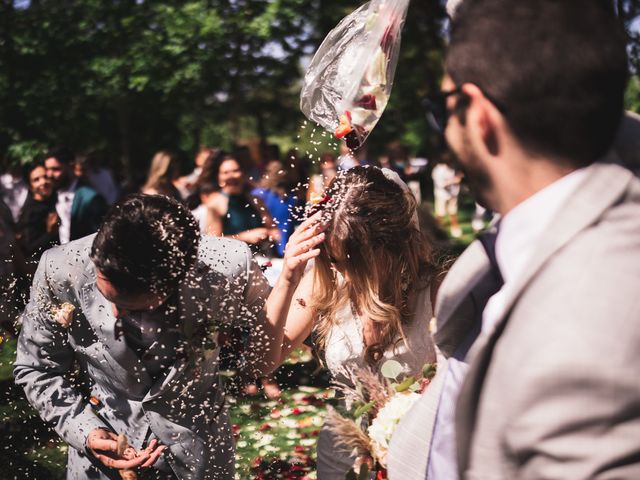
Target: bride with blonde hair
x,y
367,294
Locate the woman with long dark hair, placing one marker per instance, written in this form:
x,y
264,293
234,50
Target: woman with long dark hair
x,y
233,211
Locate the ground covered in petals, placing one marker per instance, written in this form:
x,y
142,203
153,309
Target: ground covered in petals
x,y
275,439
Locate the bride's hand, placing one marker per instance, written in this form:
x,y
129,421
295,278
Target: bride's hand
x,y
301,247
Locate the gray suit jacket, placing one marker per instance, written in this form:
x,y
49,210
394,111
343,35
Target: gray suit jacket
x,y
460,303
184,407
552,392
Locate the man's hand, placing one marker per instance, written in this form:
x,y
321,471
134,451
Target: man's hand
x,y
53,222
104,446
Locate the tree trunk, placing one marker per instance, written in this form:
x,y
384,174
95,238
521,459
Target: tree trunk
x,y
124,131
262,134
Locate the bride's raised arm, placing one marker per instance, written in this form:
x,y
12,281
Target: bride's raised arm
x,y
289,316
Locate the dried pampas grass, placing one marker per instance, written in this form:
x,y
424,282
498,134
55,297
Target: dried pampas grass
x,y
349,436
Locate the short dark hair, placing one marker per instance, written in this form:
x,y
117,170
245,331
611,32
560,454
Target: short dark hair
x,y
147,243
558,69
62,154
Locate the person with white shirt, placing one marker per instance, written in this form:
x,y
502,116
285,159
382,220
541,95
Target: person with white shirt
x,y
13,190
446,189
537,321
79,206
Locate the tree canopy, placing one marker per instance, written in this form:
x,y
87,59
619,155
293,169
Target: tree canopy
x,y
127,77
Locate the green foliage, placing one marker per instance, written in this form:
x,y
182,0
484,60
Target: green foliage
x,y
391,369
632,95
8,348
131,77
22,152
363,409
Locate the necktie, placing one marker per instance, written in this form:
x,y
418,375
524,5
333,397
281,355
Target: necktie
x,y
488,241
132,330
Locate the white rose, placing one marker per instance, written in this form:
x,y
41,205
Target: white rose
x,y
385,422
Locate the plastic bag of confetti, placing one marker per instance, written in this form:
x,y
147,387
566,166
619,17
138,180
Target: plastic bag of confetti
x,y
348,82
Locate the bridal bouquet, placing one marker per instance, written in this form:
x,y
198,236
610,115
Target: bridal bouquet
x,y
376,403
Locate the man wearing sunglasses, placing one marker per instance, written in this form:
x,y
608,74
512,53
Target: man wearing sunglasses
x,y
537,321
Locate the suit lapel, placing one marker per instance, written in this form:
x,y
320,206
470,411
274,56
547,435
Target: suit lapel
x,y
457,303
97,311
195,312
604,186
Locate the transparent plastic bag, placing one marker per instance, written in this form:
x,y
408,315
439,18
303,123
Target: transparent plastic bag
x,y
348,82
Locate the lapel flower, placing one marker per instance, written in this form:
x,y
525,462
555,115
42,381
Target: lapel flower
x,y
64,314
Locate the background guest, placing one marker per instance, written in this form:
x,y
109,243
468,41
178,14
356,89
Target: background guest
x,y
298,168
347,159
319,183
13,189
38,223
272,190
79,206
187,184
100,176
163,172
234,211
446,188
11,269
203,214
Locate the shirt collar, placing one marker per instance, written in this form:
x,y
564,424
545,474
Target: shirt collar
x,y
72,187
523,226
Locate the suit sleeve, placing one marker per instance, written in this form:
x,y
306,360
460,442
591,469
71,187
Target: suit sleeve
x,y
257,289
255,296
44,361
577,416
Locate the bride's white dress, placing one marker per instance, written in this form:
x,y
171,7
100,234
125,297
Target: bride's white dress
x,y
345,348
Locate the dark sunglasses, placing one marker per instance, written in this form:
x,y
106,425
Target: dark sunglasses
x,y
435,106
437,113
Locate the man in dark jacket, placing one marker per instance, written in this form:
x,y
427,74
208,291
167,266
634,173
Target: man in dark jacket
x,y
79,206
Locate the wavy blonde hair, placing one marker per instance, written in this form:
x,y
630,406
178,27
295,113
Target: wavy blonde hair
x,y
163,170
375,243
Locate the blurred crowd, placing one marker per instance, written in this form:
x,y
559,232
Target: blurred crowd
x,y
62,196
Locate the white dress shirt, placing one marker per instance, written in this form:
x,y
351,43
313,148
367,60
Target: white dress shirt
x,y
14,193
519,233
63,208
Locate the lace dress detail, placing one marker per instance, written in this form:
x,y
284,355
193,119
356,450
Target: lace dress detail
x,y
345,348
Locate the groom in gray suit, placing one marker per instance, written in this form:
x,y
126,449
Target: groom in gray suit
x,y
537,322
122,335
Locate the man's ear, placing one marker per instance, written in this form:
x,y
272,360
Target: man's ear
x,y
483,120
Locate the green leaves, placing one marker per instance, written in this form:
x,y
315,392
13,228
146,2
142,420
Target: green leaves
x,y
405,384
131,76
429,370
391,369
363,409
